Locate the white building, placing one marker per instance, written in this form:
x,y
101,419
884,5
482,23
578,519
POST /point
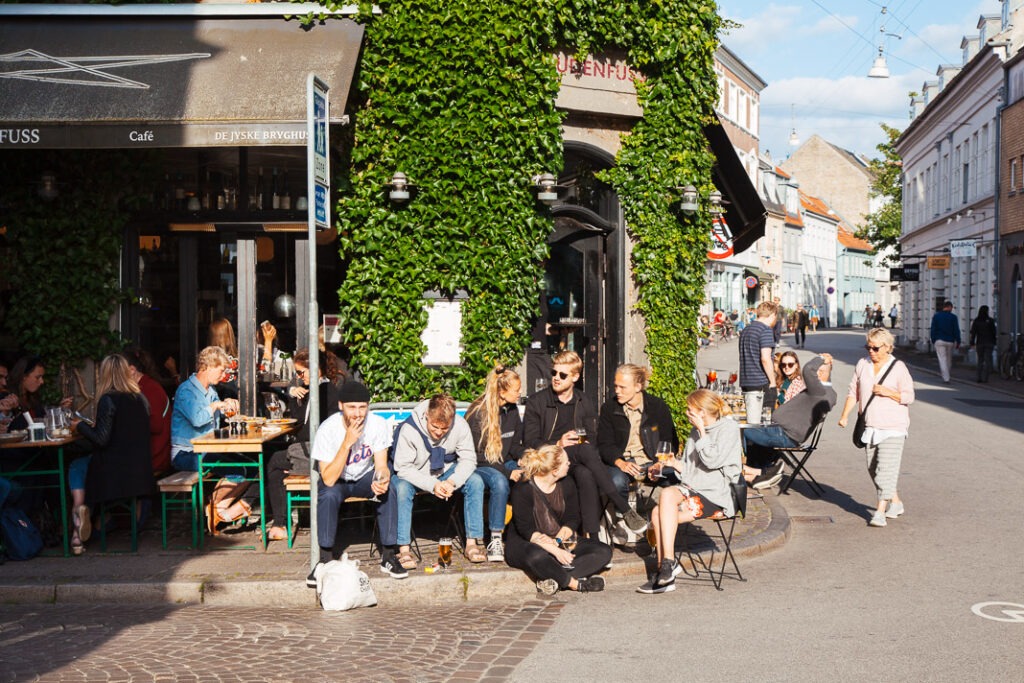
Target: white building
x,y
820,238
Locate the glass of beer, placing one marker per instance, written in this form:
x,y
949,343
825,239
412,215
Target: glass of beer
x,y
652,537
664,451
444,552
582,434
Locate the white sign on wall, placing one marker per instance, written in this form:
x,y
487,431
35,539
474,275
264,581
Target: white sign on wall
x,y
716,290
443,335
963,248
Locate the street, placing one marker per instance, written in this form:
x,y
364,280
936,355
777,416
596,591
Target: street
x,y
839,601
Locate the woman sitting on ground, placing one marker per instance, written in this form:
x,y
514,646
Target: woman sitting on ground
x,y
711,461
787,377
120,465
542,539
498,436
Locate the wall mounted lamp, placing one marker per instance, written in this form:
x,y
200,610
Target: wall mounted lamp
x,y
399,189
547,189
48,187
688,203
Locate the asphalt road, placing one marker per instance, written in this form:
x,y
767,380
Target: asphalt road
x,y
840,601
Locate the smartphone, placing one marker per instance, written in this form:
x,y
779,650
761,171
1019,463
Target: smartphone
x,y
83,418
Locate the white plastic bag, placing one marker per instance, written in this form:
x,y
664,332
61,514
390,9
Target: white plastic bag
x,y
341,585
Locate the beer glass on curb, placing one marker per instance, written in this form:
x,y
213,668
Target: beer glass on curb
x,y
444,552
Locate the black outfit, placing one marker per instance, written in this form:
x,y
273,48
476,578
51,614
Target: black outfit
x,y
802,321
656,425
533,511
121,466
511,436
295,458
545,421
983,336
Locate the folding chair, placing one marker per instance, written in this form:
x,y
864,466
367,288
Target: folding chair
x,y
739,499
796,458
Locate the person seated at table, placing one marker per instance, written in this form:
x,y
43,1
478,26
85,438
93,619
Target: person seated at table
x,y
120,464
351,452
543,539
26,378
711,459
498,434
787,377
145,374
557,414
434,452
222,334
792,424
295,458
8,400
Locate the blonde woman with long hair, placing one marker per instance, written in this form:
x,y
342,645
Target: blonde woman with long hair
x,y
119,466
543,539
498,436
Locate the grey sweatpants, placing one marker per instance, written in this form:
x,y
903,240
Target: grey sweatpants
x,y
884,465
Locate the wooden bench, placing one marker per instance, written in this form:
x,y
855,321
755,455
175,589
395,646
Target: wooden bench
x,y
180,491
297,495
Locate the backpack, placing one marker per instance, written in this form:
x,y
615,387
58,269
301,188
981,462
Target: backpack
x,y
22,540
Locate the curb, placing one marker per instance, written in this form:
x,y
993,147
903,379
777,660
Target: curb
x,y
418,590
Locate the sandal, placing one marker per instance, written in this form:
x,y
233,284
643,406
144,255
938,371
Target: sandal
x,y
232,512
475,553
277,533
407,560
83,522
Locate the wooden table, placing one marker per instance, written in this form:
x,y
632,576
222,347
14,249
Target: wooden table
x,y
250,443
33,451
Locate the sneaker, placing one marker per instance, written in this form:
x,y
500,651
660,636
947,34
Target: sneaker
x,y
389,565
769,477
667,572
651,588
495,550
634,521
547,586
895,510
311,579
877,519
591,584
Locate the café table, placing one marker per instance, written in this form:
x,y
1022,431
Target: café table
x,y
32,463
244,445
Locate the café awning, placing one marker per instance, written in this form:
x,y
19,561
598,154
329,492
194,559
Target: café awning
x,y
745,213
88,76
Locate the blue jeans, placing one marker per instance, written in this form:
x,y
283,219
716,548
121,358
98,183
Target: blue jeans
x,y
330,498
77,472
759,443
621,480
472,505
497,486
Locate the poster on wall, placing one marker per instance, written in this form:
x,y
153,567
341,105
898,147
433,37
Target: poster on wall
x,y
721,239
443,335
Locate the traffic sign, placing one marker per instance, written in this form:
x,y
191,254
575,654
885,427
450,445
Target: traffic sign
x,y
321,213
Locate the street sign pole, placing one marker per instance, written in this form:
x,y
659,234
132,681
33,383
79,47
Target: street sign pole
x,y
318,187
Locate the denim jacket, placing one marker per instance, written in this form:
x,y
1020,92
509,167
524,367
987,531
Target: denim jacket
x,y
192,415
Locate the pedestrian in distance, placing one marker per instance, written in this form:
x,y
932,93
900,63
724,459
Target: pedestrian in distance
x,y
801,320
893,315
814,318
945,336
882,391
983,340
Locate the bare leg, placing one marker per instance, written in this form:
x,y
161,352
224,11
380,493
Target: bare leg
x,y
668,522
656,525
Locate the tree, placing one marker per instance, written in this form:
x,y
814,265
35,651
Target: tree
x,y
883,227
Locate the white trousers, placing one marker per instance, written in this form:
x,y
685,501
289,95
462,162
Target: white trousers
x,y
944,350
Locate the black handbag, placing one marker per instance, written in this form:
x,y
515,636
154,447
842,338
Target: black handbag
x,y
739,495
860,425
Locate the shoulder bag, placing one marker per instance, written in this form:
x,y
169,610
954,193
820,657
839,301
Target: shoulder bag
x,y
341,585
860,425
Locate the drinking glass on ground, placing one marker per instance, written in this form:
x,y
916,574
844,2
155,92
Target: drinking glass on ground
x,y
444,552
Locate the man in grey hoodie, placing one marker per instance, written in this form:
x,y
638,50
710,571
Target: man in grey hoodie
x,y
434,452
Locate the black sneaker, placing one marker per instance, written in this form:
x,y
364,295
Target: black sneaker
x,y
389,565
634,521
591,584
651,588
769,477
311,579
667,573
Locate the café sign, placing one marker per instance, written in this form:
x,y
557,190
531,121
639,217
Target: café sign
x,y
938,262
963,248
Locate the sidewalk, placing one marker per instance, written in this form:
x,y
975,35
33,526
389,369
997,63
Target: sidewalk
x,y
222,576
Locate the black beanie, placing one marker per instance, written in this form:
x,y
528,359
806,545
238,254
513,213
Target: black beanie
x,y
353,392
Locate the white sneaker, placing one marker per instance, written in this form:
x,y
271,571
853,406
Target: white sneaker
x,y
895,510
877,519
547,586
496,550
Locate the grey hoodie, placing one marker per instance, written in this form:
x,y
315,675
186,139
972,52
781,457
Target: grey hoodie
x,y
412,459
712,462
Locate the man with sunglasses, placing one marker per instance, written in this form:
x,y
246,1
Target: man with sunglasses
x,y
792,424
559,414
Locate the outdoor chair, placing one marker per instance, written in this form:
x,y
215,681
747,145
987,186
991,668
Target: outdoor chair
x,y
726,526
796,458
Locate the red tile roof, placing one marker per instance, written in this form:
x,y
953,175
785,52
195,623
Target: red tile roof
x,y
817,206
781,173
851,241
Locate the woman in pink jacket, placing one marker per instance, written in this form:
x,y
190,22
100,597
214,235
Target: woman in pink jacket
x,y
887,418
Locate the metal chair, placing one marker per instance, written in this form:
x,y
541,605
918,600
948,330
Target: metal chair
x,y
796,458
725,533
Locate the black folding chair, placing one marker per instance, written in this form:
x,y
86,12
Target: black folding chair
x,y
796,458
739,498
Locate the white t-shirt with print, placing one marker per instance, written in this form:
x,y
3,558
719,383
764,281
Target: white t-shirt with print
x,y
376,437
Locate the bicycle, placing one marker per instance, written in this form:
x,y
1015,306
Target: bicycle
x,y
1011,361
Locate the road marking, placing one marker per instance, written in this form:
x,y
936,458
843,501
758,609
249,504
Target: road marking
x,y
1010,612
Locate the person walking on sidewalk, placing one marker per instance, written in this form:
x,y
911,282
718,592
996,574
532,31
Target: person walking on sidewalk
x,y
886,419
983,339
801,323
893,314
945,336
757,363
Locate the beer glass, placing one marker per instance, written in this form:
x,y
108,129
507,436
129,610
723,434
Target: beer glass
x,y
766,415
652,537
582,434
444,552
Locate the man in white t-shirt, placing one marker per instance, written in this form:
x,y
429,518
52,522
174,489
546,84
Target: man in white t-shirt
x,y
351,452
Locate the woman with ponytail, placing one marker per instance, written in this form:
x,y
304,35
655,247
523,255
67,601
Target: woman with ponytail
x,y
498,435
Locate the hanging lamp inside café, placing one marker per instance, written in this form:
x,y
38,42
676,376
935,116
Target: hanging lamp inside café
x,y
284,305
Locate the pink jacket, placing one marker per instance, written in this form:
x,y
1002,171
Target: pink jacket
x,y
883,413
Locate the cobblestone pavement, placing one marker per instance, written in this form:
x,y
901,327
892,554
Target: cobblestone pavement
x,y
130,643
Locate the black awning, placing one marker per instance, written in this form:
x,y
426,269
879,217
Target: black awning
x,y
758,273
745,212
166,81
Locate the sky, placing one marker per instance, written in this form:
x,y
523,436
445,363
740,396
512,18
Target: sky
x,y
815,55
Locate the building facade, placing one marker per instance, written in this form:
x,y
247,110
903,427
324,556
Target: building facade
x,y
820,236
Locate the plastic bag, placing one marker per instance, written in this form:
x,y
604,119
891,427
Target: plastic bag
x,y
341,585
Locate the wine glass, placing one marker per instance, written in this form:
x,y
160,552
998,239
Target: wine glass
x,y
378,477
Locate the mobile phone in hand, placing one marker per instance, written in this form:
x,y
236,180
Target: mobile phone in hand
x,y
83,418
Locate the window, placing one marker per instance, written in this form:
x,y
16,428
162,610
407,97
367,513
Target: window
x,y
1013,175
741,110
967,175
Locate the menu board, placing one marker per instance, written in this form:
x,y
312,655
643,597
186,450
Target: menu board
x,y
443,335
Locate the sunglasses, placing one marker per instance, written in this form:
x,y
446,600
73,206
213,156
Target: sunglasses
x,y
788,365
876,349
560,375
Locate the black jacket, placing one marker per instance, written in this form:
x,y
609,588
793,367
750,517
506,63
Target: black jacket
x,y
801,414
656,425
297,409
511,436
983,332
541,411
121,466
